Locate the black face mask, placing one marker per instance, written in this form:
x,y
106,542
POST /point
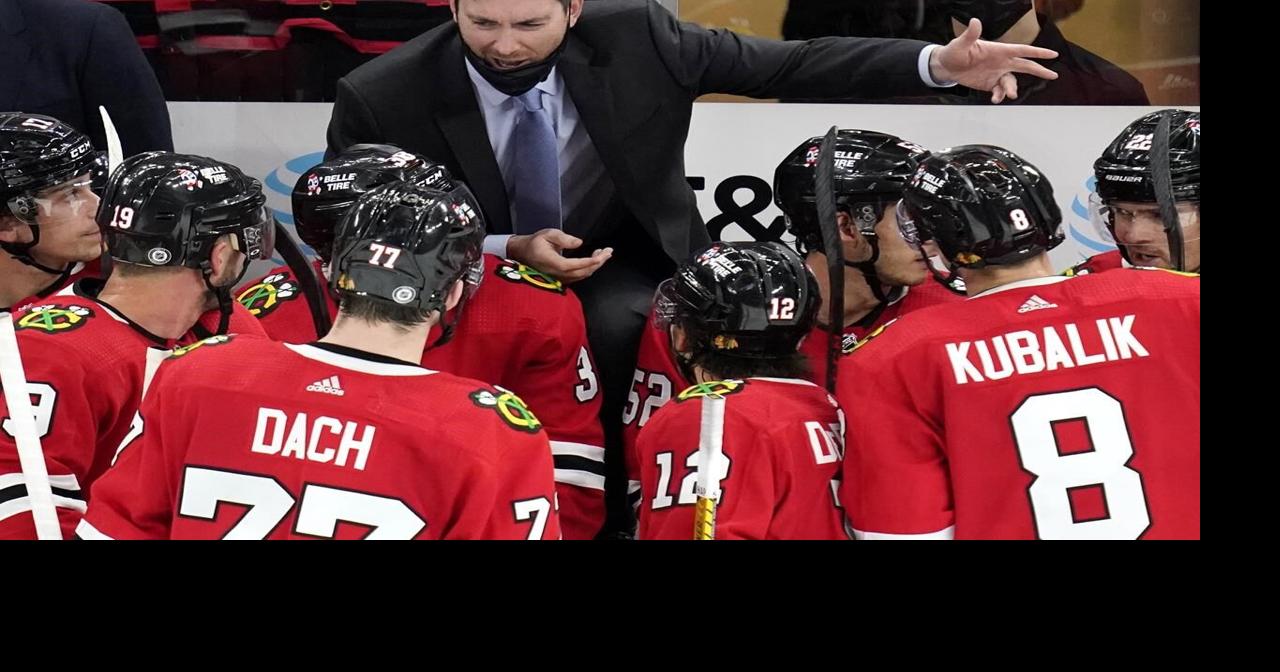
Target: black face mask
x,y
997,16
516,82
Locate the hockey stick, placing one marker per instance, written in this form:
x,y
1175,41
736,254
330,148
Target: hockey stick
x,y
825,200
311,287
115,153
710,454
115,156
22,426
1162,184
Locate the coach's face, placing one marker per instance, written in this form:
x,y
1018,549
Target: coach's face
x,y
509,34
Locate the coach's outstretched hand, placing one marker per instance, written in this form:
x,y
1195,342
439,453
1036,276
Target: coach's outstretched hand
x,y
989,66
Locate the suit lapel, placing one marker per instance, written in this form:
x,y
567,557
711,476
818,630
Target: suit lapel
x,y
585,77
593,96
459,117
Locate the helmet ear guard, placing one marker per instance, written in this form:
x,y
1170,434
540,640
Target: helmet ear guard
x,y
23,207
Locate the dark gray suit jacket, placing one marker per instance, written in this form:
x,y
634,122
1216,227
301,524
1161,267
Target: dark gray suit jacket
x,y
633,71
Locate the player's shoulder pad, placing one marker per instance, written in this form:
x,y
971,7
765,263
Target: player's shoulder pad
x,y
858,345
514,271
714,388
185,350
1081,268
510,408
55,318
1170,271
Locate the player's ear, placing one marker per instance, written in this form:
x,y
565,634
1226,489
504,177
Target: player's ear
x,y
679,339
856,247
226,260
11,229
455,296
844,222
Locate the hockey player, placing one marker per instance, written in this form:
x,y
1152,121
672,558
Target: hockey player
x,y
1045,406
737,314
883,278
181,230
48,236
524,331
1148,195
346,437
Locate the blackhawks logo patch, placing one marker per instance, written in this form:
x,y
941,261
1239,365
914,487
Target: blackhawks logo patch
x,y
715,388
514,271
263,298
509,407
212,340
54,318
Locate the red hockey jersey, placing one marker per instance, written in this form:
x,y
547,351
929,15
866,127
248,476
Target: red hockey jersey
x,y
87,367
779,479
1106,261
247,438
656,377
521,330
1053,408
76,272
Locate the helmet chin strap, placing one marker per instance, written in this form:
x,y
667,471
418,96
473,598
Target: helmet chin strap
x,y
868,214
25,257
448,322
868,269
222,294
22,251
949,280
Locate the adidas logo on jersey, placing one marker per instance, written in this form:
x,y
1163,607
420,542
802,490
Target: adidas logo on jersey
x,y
1035,303
329,385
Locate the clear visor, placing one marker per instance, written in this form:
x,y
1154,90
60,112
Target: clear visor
x,y
1100,218
472,278
1106,217
907,226
664,305
74,198
259,237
